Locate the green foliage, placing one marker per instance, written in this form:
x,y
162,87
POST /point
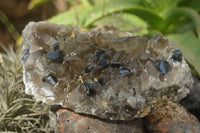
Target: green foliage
x,y
173,18
159,5
194,4
154,21
187,13
37,3
10,27
68,20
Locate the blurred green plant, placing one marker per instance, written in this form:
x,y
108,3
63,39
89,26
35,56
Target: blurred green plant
x,y
176,19
10,27
36,3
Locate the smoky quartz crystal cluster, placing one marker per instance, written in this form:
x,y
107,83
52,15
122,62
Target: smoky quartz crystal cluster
x,y
110,74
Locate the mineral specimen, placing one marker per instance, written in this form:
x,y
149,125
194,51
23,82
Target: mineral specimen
x,y
107,74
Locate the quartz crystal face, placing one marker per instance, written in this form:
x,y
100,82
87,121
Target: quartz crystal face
x,y
111,75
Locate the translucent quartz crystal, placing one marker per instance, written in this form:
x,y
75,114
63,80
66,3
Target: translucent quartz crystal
x,y
110,75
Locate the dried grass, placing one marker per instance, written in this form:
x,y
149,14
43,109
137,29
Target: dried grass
x,y
18,111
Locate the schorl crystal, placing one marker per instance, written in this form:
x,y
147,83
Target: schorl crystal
x,y
134,91
89,90
124,70
88,68
56,46
50,79
116,64
163,66
105,61
177,56
102,81
99,53
25,56
56,55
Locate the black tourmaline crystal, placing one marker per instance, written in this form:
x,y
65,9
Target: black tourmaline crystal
x,y
88,68
102,81
116,64
50,79
163,66
25,55
56,55
89,90
104,62
177,56
124,70
99,53
56,46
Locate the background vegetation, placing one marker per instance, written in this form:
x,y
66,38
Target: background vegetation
x,y
179,20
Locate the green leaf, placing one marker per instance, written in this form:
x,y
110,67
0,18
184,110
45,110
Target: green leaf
x,y
178,24
86,3
187,12
194,4
105,8
73,16
36,3
101,11
65,18
10,27
87,17
125,22
189,45
159,5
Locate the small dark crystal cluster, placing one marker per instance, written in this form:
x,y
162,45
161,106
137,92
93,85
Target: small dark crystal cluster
x,y
109,75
